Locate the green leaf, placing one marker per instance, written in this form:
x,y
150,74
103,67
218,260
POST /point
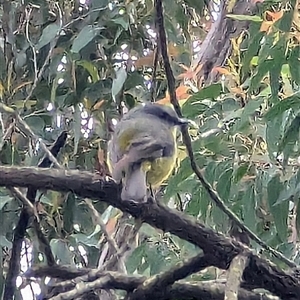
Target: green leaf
x,y
97,7
68,213
252,45
135,259
210,92
245,18
4,242
224,184
123,21
183,173
36,124
133,80
279,108
262,69
249,206
93,71
273,135
118,82
83,239
2,66
4,200
76,128
291,135
49,33
279,211
86,35
278,55
241,171
194,109
61,251
294,64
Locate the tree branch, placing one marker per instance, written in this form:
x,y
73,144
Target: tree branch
x,y
223,249
115,280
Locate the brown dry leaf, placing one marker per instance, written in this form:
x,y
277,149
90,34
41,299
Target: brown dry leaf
x,y
181,94
111,224
265,26
2,89
98,104
221,70
191,72
270,19
146,61
275,16
14,138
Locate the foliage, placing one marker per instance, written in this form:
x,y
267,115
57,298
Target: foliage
x,y
71,66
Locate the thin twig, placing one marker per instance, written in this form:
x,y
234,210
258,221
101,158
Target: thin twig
x,y
153,79
188,143
109,239
28,15
6,134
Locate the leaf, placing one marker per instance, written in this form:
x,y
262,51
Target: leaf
x,y
278,55
291,135
273,135
294,64
133,80
76,128
241,171
123,21
245,18
86,35
49,33
253,44
97,7
4,242
249,206
61,251
224,184
2,68
93,71
279,211
83,239
183,173
135,259
36,124
118,82
262,69
279,108
210,92
4,200
247,112
68,213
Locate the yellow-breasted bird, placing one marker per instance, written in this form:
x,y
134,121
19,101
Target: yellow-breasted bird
x,y
143,149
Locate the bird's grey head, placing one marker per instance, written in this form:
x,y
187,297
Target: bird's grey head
x,y
162,112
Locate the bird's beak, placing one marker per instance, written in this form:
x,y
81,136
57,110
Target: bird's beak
x,y
183,121
190,123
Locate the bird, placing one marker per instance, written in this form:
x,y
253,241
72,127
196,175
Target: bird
x,y
143,149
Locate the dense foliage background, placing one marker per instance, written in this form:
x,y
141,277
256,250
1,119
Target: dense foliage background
x,y
76,65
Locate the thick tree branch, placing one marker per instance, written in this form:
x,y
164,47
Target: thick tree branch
x,y
259,272
115,280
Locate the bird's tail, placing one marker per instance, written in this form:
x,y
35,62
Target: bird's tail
x,y
134,185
